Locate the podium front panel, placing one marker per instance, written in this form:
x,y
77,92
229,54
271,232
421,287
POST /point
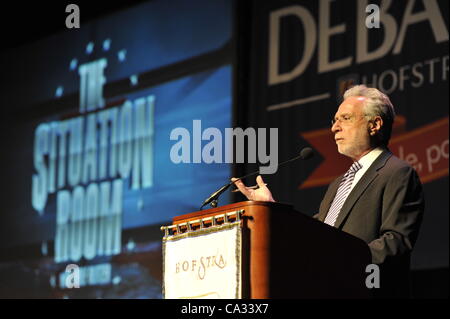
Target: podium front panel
x,y
203,263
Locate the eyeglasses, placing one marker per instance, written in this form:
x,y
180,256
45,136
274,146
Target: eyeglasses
x,y
344,119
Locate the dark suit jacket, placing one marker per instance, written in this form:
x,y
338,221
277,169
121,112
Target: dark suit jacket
x,y
385,210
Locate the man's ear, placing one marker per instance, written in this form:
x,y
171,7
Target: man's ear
x,y
375,125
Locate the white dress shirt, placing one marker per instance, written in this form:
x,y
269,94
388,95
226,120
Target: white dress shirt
x,y
366,161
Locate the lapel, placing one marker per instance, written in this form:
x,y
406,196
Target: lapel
x,y
362,185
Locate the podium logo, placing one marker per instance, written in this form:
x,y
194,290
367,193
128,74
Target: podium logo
x,y
217,145
200,265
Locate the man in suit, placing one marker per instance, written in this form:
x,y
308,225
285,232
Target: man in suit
x,y
380,198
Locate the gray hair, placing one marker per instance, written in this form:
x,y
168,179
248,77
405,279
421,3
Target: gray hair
x,y
376,104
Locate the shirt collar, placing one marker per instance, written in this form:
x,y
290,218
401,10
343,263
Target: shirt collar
x,y
370,157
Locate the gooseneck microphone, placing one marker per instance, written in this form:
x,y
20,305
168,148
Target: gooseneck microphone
x,y
305,154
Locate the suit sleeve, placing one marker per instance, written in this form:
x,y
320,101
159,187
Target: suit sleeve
x,y
402,211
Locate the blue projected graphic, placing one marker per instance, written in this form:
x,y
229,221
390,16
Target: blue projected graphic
x,y
125,46
91,161
181,188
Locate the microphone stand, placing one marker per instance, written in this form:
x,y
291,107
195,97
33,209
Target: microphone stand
x,y
213,199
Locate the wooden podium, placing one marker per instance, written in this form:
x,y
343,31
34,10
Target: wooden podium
x,y
286,254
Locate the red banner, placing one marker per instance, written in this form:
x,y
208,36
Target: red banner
x,y
424,148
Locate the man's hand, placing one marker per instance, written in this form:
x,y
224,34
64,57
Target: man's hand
x,y
260,194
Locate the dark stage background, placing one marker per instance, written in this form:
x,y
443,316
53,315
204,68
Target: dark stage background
x,y
261,64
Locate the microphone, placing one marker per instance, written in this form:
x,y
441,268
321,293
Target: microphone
x,y
305,154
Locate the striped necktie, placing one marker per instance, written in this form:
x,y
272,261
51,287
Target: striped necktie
x,y
342,193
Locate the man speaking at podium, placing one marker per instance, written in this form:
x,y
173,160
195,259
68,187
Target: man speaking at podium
x,y
380,198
